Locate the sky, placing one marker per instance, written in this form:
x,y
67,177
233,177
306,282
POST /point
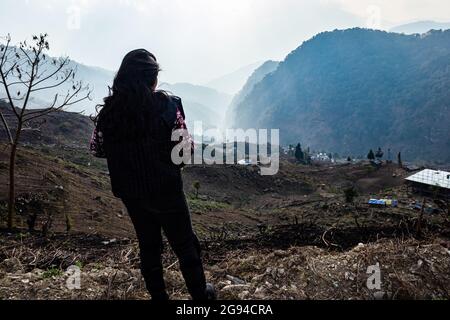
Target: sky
x,y
198,40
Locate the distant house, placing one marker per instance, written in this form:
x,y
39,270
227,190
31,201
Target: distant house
x,y
376,163
431,182
321,157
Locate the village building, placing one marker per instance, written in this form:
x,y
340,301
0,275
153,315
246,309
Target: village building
x,y
431,182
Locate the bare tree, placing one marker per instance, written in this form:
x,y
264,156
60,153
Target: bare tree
x,y
24,70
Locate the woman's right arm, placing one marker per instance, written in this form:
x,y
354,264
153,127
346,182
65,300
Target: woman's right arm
x,y
180,123
96,144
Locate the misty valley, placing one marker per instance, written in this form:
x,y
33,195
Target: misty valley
x,y
356,208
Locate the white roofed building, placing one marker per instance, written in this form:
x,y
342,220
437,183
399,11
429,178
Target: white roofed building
x,y
431,181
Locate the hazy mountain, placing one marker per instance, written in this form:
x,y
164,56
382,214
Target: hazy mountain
x,y
352,90
97,78
259,74
421,27
200,103
233,82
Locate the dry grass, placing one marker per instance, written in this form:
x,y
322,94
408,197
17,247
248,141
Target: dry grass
x,y
410,269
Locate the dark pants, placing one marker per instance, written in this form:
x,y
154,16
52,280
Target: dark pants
x,y
171,214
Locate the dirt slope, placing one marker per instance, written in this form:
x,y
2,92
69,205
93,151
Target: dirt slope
x,y
291,236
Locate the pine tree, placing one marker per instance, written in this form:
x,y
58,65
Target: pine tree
x,y
371,155
299,153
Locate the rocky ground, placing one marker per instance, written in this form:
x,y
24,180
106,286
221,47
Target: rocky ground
x,y
32,267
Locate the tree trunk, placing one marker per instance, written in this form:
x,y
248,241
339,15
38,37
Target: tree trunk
x,y
12,191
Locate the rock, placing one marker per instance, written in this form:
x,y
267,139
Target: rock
x,y
38,272
244,295
235,280
232,287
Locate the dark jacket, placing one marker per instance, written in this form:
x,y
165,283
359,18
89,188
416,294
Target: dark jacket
x,y
142,167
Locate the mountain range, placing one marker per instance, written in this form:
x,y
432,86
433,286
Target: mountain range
x,y
232,82
421,27
97,78
200,102
348,91
345,91
256,77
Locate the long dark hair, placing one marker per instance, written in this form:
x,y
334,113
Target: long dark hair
x,y
132,101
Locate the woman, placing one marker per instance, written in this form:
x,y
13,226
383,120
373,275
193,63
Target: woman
x,y
133,131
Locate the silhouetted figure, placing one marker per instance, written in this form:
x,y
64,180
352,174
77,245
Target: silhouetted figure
x,y
133,131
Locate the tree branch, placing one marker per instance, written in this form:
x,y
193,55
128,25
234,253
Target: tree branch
x,y
55,85
5,51
26,54
62,65
8,94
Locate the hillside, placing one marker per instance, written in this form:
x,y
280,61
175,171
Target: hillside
x,y
62,128
286,237
259,74
352,90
